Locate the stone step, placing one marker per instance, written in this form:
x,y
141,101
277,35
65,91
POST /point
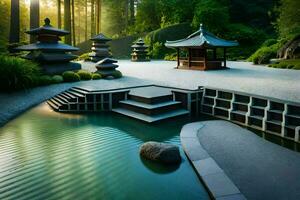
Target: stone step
x,y
63,99
52,105
76,94
150,109
150,95
56,103
149,106
150,119
59,100
79,90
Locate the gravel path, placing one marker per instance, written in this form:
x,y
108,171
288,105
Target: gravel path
x,y
243,76
260,169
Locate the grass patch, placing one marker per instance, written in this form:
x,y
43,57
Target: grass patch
x,y
287,64
17,73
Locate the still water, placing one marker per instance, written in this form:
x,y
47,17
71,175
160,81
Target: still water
x,y
49,155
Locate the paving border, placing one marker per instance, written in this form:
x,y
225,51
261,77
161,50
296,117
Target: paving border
x,y
214,178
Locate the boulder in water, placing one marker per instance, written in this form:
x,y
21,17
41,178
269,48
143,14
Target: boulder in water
x,y
161,152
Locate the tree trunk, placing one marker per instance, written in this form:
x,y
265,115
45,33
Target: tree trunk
x,y
73,23
59,14
14,35
67,20
132,18
86,21
99,10
92,18
34,17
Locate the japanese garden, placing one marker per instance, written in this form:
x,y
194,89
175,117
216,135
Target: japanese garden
x,y
150,99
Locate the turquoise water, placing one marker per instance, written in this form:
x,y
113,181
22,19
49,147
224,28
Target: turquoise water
x,y
48,155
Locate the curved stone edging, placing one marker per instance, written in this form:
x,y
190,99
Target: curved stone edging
x,y
217,182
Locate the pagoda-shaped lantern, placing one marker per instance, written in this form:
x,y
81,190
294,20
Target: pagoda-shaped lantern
x,y
53,56
100,48
106,67
139,51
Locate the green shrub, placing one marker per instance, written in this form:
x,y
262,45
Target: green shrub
x,y
17,73
264,54
96,76
57,79
83,57
269,42
117,74
45,80
70,76
297,67
287,64
156,39
171,57
84,75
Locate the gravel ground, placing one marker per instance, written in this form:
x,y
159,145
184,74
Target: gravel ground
x,y
242,76
260,169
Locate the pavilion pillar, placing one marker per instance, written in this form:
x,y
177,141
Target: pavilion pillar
x,y
215,54
224,57
205,59
189,57
178,58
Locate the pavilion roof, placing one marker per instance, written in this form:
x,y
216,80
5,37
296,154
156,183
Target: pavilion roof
x,y
201,38
47,29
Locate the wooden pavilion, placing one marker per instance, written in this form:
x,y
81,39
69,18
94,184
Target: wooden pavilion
x,y
201,51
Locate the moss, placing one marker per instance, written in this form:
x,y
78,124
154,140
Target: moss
x,y
96,76
84,75
70,76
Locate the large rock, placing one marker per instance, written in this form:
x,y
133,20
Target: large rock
x,y
161,152
290,50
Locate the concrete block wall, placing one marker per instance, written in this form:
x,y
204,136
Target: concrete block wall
x,y
270,115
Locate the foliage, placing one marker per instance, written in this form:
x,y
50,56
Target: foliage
x,y
45,80
96,76
17,73
287,64
70,76
288,22
84,57
171,57
212,13
84,75
117,74
264,54
57,79
156,39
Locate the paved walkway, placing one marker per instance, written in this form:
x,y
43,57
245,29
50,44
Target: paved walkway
x,y
260,169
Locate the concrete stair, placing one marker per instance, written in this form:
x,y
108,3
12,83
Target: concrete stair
x,y
61,101
150,104
151,119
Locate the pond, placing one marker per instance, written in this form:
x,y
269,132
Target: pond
x,y
49,155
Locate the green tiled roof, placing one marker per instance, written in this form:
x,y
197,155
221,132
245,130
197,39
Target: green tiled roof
x,y
201,38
